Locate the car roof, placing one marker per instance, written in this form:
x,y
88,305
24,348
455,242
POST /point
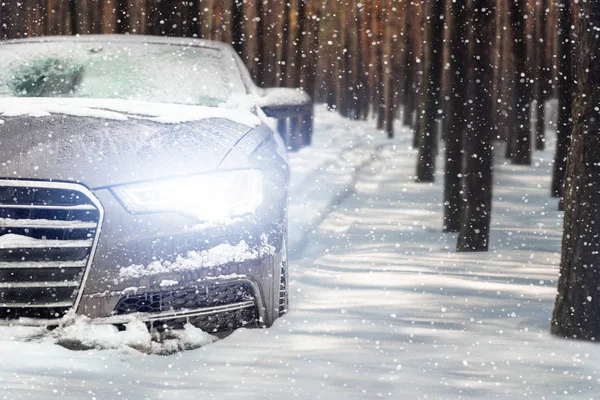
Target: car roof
x,y
139,39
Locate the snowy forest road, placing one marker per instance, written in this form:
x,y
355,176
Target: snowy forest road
x,y
381,304
391,310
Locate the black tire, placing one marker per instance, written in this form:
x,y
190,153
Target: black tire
x,y
284,300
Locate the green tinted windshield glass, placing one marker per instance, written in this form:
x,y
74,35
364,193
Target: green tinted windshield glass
x,y
148,72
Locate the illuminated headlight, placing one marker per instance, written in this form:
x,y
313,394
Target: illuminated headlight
x,y
206,197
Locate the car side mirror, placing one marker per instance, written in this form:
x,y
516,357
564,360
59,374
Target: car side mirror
x,y
281,103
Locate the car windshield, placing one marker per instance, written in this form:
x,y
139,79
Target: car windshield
x,y
163,73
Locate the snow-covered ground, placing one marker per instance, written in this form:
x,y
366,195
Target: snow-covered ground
x,y
382,306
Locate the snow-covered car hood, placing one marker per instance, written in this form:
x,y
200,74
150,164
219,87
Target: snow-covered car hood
x,y
108,142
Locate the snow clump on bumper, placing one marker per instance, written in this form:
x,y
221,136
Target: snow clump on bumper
x,y
219,255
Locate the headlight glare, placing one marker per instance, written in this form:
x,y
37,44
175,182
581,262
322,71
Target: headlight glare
x,y
206,197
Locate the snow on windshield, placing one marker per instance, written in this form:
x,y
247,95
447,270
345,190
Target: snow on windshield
x,y
130,71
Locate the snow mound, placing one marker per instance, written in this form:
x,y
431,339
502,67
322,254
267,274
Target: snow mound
x,y
82,334
22,333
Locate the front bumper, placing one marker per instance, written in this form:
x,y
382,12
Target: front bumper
x,y
256,306
160,255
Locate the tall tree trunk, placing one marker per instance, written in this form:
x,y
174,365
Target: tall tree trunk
x,y
123,18
408,62
364,44
431,87
57,22
73,17
457,114
542,76
420,72
138,17
508,117
237,26
389,50
565,98
282,24
5,32
577,310
352,55
377,61
522,133
341,61
259,34
268,21
308,57
497,98
477,210
251,49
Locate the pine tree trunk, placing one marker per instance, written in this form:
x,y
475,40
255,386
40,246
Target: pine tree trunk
x,y
73,17
508,125
577,310
109,17
542,77
521,151
565,98
259,37
420,71
237,26
280,31
431,87
387,68
497,99
341,88
122,10
477,209
364,45
4,21
457,115
377,61
138,17
407,63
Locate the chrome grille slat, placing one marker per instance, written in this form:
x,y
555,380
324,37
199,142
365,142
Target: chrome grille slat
x,y
63,304
45,224
47,207
48,234
20,285
43,264
30,243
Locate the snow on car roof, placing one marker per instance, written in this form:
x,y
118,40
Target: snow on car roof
x,y
123,39
117,109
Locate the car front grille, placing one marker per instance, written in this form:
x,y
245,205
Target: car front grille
x,y
212,307
48,234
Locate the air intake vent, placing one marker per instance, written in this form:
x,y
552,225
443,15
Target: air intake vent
x,y
48,233
213,308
